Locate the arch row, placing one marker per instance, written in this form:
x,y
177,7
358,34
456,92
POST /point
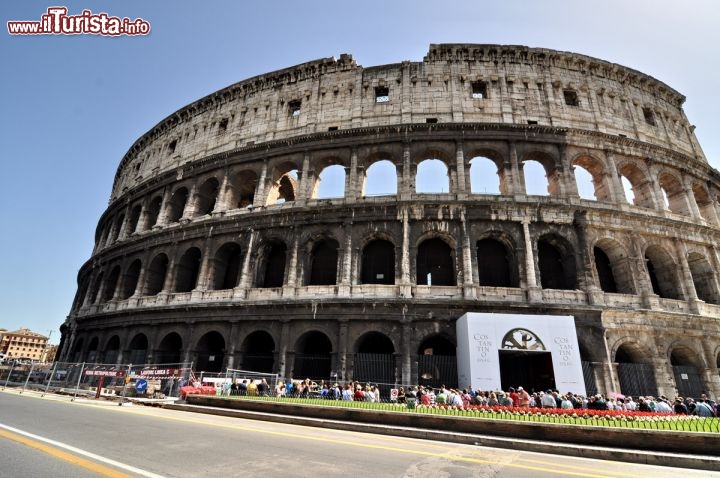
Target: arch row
x,y
395,171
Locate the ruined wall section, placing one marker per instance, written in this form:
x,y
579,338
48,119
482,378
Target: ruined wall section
x,y
521,86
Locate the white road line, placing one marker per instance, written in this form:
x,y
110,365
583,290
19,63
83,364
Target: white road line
x,y
84,453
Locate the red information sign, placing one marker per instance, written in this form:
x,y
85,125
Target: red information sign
x,y
104,373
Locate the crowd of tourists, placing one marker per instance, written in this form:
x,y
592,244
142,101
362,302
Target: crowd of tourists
x,y
445,396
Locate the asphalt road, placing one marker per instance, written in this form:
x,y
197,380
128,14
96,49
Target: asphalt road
x,y
108,440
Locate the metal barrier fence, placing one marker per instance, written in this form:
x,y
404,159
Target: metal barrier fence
x,y
98,380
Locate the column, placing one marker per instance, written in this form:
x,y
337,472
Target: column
x,y
407,377
469,291
304,179
406,189
245,274
691,295
616,187
259,197
692,203
460,185
190,204
162,215
221,203
346,269
534,293
342,349
291,284
203,280
282,349
517,179
405,286
351,178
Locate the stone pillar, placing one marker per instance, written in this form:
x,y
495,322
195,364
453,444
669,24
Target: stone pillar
x,y
407,377
352,188
259,197
469,291
342,349
169,276
123,233
221,204
245,275
291,284
304,180
283,349
406,189
405,286
460,185
534,292
517,179
346,266
162,215
190,204
566,174
615,182
692,203
691,294
204,274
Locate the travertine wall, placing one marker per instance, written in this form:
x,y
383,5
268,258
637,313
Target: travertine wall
x,y
179,220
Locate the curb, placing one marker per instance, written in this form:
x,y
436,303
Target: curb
x,y
699,462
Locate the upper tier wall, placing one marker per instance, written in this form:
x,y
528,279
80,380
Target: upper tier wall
x,y
518,85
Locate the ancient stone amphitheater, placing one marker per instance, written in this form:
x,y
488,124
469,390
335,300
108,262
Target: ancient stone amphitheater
x,y
219,248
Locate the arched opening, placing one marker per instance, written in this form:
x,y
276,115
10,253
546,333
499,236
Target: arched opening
x,y
378,262
662,271
226,266
170,349
704,203
210,352
619,265
176,205
155,275
258,352
207,195
636,375
590,179
330,182
284,184
130,279
272,273
435,263
380,179
323,263
188,268
432,177
138,350
76,355
154,211
604,271
588,370
92,351
437,362
312,356
484,176
685,363
703,277
536,178
496,264
674,194
134,219
118,227
242,192
95,290
627,190
111,284
556,261
112,350
641,193
375,360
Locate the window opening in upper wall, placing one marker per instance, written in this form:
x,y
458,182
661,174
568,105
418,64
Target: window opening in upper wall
x,y
294,107
222,126
479,90
649,116
431,120
382,94
571,98
172,146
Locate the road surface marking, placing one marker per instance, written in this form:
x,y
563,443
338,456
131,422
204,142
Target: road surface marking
x,y
41,443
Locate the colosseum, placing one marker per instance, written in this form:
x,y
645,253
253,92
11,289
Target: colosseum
x,y
220,247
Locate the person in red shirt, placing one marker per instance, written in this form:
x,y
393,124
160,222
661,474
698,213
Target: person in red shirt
x,y
514,397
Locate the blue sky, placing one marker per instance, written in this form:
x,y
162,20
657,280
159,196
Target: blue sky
x,y
73,105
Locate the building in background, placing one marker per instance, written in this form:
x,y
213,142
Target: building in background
x,y
23,344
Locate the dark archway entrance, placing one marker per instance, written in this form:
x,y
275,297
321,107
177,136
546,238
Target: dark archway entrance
x,y
688,381
112,350
312,357
375,360
435,263
170,349
531,370
210,352
323,263
258,352
437,362
636,378
138,350
378,263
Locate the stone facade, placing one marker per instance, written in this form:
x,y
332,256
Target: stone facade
x,y
215,247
